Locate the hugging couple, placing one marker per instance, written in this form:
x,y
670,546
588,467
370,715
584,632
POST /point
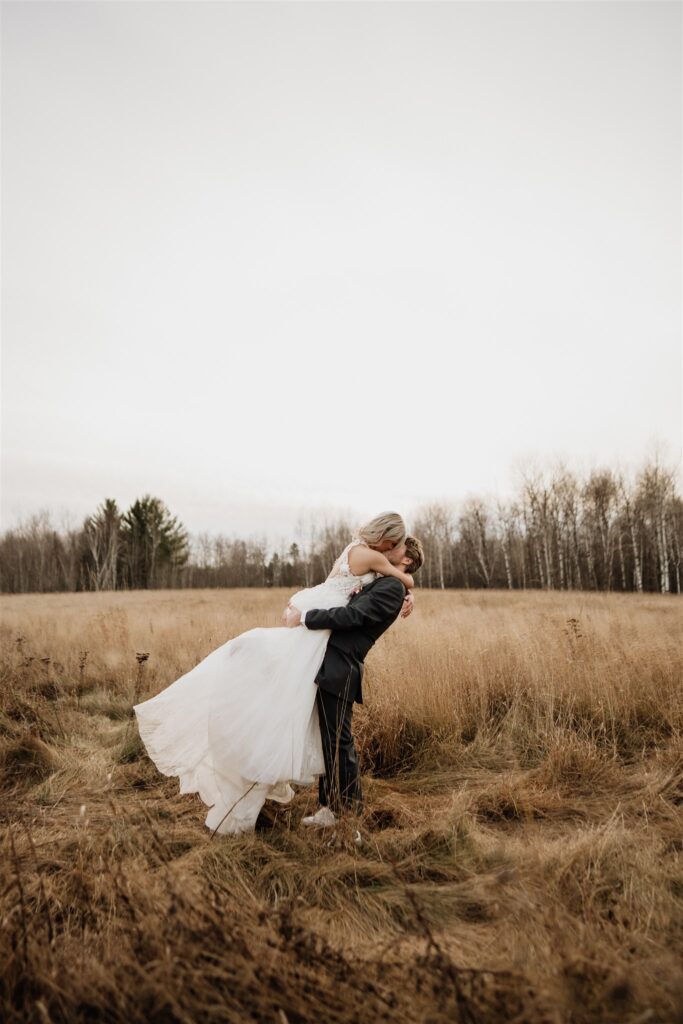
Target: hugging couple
x,y
273,706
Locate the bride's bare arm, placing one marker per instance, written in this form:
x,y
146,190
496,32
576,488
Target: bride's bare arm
x,y
363,559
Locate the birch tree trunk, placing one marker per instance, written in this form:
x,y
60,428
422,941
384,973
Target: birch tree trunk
x,y
622,563
663,555
637,560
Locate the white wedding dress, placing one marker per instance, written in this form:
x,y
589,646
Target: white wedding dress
x,y
243,723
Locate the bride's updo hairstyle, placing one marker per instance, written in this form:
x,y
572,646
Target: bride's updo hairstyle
x,y
386,526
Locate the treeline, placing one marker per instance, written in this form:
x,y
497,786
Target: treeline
x,y
143,547
559,532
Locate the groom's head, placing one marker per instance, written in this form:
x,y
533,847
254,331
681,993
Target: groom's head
x,y
407,556
415,553
396,555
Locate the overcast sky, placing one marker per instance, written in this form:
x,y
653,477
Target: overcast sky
x,y
259,258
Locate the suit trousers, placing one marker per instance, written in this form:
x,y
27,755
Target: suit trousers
x,y
339,788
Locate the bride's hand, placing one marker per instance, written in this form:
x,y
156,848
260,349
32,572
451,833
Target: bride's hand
x,y
292,616
284,614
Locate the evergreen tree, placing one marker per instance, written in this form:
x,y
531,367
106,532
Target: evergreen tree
x,y
155,543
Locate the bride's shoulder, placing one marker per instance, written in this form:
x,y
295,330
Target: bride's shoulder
x,y
360,556
355,543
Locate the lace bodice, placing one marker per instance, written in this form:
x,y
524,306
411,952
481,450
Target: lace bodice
x,y
342,568
337,588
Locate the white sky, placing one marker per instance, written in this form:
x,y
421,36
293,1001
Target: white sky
x,y
259,258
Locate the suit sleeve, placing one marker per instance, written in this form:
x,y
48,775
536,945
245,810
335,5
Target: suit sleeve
x,y
385,599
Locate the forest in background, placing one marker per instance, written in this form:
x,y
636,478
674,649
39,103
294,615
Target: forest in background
x,y
601,532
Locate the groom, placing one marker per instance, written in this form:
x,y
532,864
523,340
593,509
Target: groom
x,y
355,628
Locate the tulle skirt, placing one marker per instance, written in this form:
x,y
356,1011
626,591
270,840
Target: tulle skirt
x,y
242,724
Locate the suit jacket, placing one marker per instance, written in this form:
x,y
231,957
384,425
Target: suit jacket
x,y
355,628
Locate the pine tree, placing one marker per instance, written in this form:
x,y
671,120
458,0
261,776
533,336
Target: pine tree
x,y
155,543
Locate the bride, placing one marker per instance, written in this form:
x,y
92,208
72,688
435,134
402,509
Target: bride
x,y
243,723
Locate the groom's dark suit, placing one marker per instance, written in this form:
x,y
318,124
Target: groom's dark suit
x,y
355,628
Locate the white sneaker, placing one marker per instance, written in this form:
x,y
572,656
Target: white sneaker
x,y
324,818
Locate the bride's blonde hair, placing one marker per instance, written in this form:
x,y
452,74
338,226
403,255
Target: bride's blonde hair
x,y
386,526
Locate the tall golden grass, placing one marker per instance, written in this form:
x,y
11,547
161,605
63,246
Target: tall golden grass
x,y
522,832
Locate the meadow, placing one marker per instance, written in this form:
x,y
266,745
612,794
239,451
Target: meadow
x,y
522,835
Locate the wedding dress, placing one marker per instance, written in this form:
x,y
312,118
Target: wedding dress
x,y
243,723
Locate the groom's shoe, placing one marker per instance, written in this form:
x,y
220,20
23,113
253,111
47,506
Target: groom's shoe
x,y
324,818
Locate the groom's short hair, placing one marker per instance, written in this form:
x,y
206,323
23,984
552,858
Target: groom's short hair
x,y
415,553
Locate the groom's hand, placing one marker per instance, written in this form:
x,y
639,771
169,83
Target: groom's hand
x,y
408,603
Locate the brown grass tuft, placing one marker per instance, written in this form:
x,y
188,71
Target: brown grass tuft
x,y
26,760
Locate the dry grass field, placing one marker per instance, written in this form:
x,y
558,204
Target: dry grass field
x,y
523,827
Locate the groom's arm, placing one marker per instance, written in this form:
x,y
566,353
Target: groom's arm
x,y
385,599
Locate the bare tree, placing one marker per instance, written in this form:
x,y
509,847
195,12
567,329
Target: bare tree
x,y
655,495
102,533
433,524
474,529
601,515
